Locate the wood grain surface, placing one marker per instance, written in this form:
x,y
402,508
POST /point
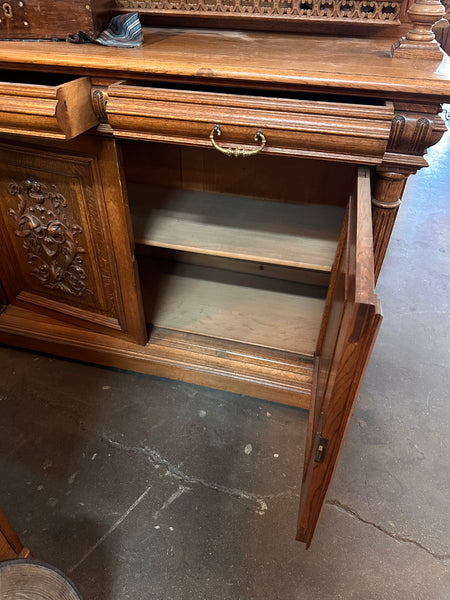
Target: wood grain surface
x,y
353,317
232,306
45,109
325,63
352,130
303,236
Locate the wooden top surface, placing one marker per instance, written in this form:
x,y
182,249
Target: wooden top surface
x,y
319,63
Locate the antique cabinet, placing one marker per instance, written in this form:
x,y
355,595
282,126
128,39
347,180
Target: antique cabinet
x,y
216,205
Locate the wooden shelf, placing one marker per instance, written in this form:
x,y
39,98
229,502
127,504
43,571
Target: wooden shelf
x,y
295,235
232,306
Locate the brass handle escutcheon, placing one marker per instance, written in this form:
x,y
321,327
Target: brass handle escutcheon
x,y
237,152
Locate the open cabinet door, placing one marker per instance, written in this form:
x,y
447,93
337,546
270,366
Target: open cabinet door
x,y
350,325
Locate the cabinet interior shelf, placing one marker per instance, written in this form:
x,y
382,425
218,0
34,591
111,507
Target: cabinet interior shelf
x,y
230,305
295,235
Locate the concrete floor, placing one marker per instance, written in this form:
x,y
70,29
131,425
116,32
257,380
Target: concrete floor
x,y
144,488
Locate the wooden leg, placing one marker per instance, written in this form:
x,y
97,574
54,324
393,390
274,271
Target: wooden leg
x,y
385,203
10,544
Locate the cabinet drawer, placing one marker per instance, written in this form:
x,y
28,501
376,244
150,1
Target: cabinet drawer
x,y
342,129
45,105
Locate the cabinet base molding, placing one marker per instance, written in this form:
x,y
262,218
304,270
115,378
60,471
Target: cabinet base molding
x,y
281,377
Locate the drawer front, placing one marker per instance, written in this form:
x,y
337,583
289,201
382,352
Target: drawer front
x,y
61,109
309,128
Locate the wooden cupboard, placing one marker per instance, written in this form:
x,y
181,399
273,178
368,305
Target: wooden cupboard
x,y
200,211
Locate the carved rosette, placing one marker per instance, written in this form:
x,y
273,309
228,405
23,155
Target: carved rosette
x,y
50,241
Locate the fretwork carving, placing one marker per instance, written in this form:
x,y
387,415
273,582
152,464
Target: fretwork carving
x,y
50,241
330,10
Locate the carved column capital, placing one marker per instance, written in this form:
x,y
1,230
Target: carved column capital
x,y
413,131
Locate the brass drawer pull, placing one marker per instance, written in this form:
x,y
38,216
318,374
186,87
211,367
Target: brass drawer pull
x,y
237,152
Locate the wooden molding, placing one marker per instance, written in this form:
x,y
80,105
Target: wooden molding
x,y
51,106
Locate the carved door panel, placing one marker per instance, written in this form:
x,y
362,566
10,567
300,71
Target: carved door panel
x,y
65,239
349,329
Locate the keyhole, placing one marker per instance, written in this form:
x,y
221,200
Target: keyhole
x,y
7,9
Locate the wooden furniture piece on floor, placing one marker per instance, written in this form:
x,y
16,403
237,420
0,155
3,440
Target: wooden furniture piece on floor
x,y
10,544
225,221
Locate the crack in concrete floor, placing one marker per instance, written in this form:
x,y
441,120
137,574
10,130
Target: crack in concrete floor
x,y
173,471
399,538
176,473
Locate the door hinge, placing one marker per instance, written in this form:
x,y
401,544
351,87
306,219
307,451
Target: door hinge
x,y
321,449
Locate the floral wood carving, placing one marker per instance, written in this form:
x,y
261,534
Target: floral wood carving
x,y
50,241
335,10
